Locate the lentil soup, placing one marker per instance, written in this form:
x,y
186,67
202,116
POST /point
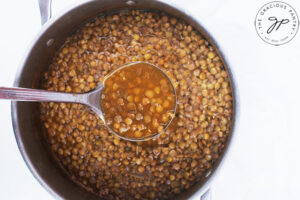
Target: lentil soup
x,y
184,153
138,101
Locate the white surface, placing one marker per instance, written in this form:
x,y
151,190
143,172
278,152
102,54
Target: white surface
x,y
263,162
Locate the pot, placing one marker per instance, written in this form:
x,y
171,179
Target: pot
x,y
25,115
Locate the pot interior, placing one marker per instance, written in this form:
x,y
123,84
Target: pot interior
x,y
26,116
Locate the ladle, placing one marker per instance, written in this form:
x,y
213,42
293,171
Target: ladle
x,y
91,98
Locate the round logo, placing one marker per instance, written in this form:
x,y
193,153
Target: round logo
x,y
276,23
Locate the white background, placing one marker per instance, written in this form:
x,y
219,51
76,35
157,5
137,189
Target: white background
x,y
263,162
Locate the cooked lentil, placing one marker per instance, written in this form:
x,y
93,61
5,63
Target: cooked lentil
x,y
137,88
184,153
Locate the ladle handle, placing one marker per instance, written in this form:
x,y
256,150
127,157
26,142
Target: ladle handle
x,y
25,94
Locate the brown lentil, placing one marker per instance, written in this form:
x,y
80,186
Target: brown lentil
x,y
117,169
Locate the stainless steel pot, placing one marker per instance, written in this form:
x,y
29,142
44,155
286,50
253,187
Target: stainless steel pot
x,y
25,115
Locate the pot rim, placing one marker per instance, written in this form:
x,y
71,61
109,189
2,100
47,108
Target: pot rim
x,y
204,186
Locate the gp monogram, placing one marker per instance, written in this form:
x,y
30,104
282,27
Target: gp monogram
x,y
276,23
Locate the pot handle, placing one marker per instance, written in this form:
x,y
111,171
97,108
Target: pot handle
x,y
45,10
206,195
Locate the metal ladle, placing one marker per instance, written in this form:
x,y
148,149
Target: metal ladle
x,y
91,98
